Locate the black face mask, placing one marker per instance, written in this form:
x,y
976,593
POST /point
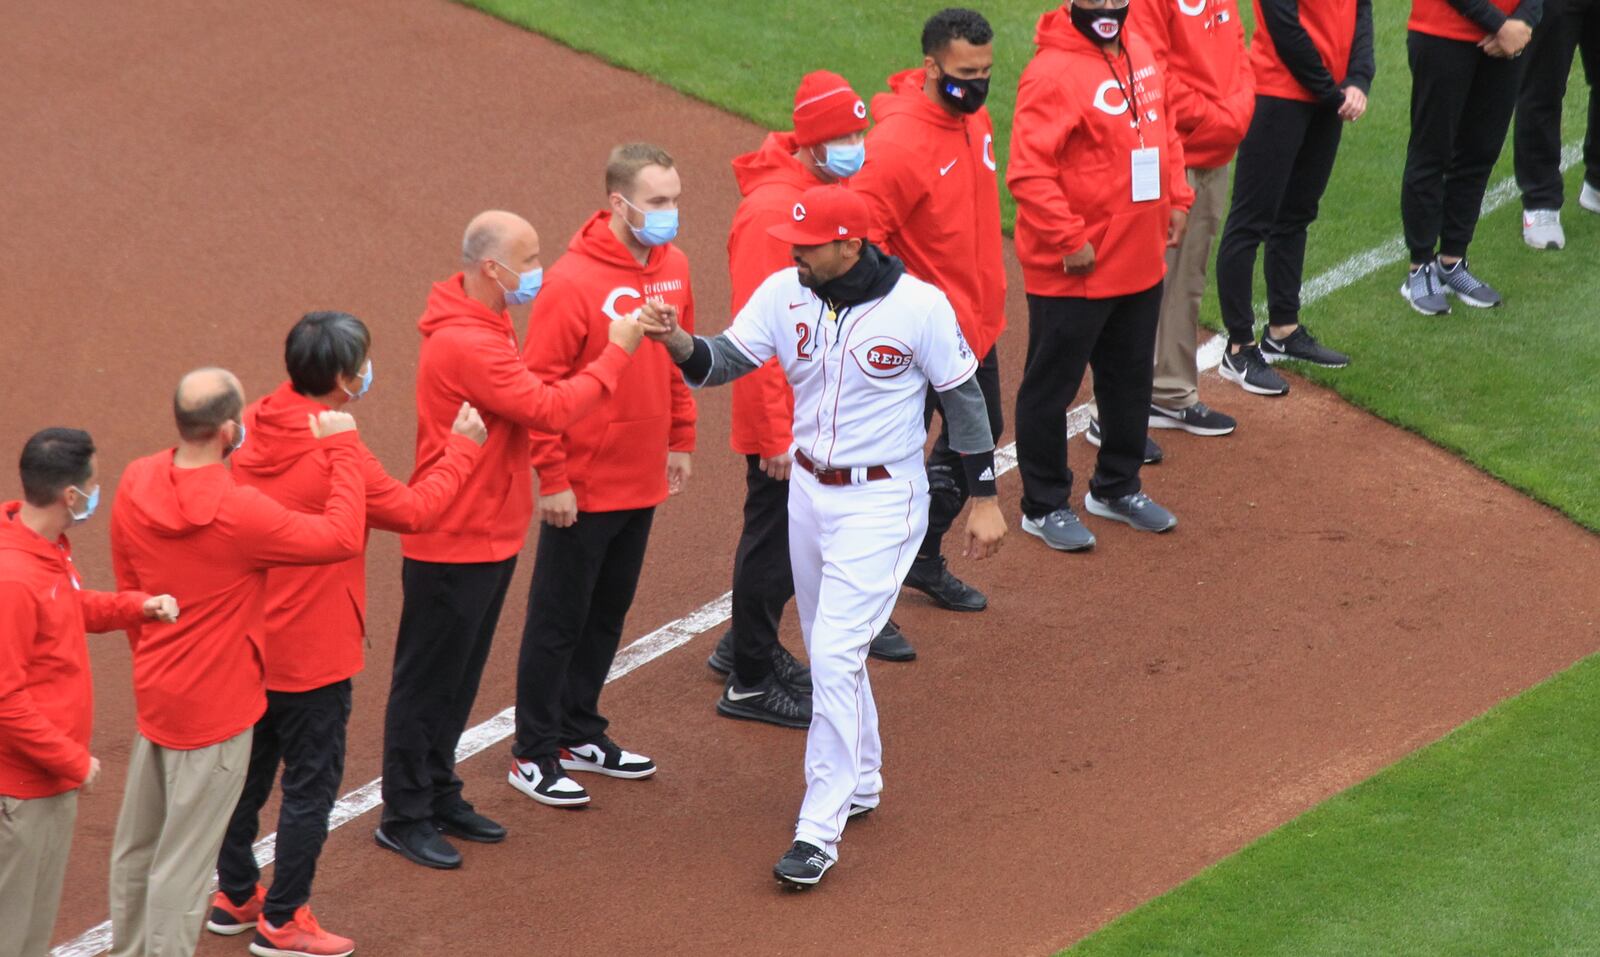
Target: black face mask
x,y
963,96
1086,20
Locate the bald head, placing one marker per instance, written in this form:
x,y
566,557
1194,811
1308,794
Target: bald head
x,y
496,234
206,400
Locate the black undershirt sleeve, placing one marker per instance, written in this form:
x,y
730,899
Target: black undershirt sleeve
x,y
1281,20
1362,64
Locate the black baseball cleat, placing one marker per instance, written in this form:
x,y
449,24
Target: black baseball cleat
x,y
932,577
861,810
891,645
802,866
791,670
418,842
770,700
464,822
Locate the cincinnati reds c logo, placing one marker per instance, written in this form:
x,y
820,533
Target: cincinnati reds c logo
x,y
988,151
861,107
1192,9
621,292
1102,100
799,213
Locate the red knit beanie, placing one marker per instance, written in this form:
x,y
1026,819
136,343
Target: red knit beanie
x,y
826,108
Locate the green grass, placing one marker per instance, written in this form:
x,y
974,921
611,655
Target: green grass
x,y
1487,842
1509,390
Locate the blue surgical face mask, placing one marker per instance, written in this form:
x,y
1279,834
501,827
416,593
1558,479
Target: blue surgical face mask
x,y
528,284
366,383
92,502
660,226
844,159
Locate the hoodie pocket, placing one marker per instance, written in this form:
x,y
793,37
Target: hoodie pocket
x,y
632,455
1128,244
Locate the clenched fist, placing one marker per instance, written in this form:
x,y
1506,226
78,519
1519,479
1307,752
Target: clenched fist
x,y
470,424
162,608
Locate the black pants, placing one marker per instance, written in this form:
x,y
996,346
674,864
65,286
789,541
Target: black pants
x,y
1568,25
1278,179
584,577
305,730
447,622
1115,337
947,478
762,580
1461,105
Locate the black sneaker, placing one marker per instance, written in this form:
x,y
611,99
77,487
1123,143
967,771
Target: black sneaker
x,y
1197,419
418,842
1152,452
802,866
1459,281
787,667
1300,345
1249,369
891,645
771,701
464,822
861,810
545,782
721,660
932,577
605,756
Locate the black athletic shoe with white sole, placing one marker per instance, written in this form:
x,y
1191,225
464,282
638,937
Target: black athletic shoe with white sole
x,y
890,644
1301,346
932,577
771,701
1197,419
544,781
1459,281
1152,452
861,810
802,866
1250,371
604,756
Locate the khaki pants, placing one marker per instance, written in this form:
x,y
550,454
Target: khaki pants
x,y
174,812
1176,374
35,835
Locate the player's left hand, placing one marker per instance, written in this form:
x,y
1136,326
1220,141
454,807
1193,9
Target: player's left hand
x,y
985,528
777,468
1355,104
1176,225
677,472
162,608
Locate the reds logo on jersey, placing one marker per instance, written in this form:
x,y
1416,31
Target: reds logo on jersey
x,y
621,302
882,357
1103,98
1194,9
988,152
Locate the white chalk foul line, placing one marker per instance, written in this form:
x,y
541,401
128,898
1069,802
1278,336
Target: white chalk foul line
x,y
480,737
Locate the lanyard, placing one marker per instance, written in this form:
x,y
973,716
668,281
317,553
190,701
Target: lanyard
x,y
1129,92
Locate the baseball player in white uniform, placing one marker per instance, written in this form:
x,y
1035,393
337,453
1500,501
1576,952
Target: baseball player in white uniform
x,y
860,341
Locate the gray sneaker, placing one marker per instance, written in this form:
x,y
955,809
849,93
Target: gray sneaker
x,y
1459,281
1061,530
1136,510
1541,229
1423,291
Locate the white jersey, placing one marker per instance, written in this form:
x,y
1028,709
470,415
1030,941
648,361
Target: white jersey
x,y
860,380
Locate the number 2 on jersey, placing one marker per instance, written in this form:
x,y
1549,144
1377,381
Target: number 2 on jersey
x,y
805,346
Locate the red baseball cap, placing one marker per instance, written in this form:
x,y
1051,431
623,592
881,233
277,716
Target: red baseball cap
x,y
824,214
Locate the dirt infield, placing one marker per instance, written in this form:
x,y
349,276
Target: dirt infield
x,y
183,179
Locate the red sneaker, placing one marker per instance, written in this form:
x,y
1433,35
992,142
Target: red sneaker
x,y
302,936
229,919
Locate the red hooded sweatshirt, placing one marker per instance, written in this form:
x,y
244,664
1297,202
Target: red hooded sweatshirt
x,y
617,458
1071,166
1211,88
1439,18
316,614
470,354
930,179
771,181
46,697
196,535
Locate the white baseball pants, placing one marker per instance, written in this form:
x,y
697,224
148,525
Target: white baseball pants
x,y
850,548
